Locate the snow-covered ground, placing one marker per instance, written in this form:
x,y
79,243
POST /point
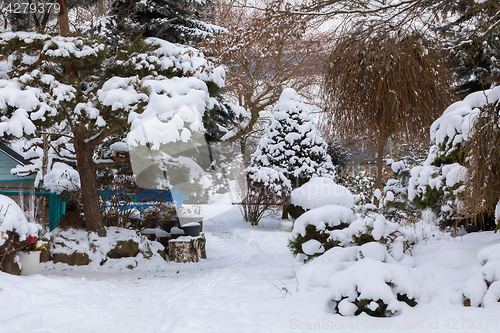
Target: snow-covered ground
x,y
248,283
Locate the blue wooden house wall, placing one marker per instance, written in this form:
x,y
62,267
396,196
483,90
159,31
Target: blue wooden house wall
x,y
8,161
14,185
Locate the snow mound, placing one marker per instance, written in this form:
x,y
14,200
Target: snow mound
x,y
12,219
321,191
312,246
483,288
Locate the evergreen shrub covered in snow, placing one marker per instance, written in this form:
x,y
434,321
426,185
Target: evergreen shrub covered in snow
x,y
372,286
355,252
365,278
482,152
291,144
360,181
323,228
339,155
438,183
394,202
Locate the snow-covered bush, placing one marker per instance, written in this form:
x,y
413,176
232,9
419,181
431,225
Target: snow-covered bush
x,y
264,188
437,183
15,231
291,143
483,288
317,192
394,202
379,293
365,278
323,228
360,181
160,212
339,155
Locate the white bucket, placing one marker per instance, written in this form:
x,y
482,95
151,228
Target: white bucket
x,y
30,262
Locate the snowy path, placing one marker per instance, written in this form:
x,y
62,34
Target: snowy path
x,y
237,289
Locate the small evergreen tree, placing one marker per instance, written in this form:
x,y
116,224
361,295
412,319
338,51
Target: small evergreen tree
x,y
339,155
291,144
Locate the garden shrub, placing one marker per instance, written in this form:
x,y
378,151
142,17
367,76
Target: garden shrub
x,y
335,225
263,189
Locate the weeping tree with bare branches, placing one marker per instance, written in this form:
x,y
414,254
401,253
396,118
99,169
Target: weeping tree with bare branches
x,y
381,82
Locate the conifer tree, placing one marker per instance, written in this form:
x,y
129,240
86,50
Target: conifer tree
x,y
177,21
291,144
106,93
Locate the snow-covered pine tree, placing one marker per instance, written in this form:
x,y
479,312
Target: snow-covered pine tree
x,y
291,144
177,21
153,83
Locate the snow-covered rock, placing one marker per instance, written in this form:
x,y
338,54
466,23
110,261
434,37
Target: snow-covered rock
x,y
97,250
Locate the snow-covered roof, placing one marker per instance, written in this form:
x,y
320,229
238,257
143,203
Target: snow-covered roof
x,y
13,155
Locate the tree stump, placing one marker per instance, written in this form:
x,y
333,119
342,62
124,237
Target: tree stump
x,y
187,249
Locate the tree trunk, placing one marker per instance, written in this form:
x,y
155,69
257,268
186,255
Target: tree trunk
x,y
63,18
284,212
380,162
90,193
